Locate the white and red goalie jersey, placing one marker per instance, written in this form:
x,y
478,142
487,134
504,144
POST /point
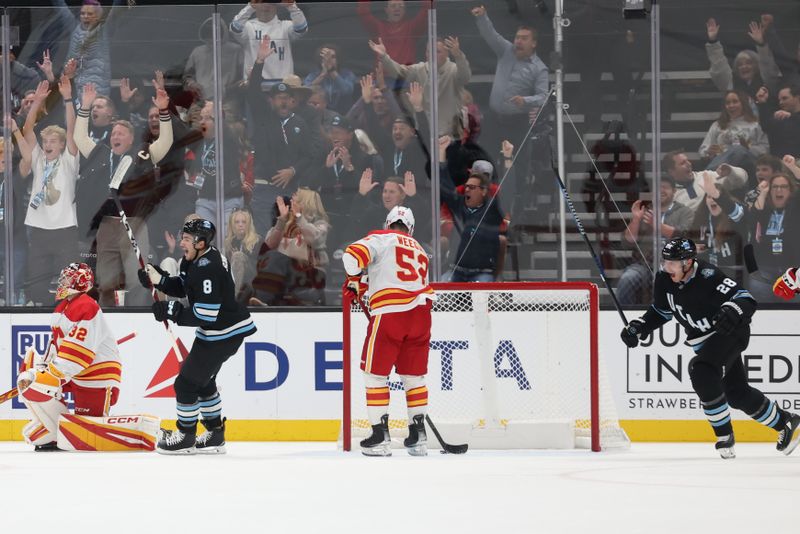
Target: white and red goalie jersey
x,y
86,352
397,270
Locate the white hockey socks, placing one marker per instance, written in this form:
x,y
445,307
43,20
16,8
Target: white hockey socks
x,y
377,397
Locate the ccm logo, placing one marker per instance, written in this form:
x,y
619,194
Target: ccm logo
x,y
122,420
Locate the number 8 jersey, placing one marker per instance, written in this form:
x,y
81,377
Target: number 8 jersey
x,y
397,270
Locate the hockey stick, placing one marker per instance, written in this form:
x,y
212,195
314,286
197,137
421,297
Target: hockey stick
x,y
122,169
582,231
13,392
446,447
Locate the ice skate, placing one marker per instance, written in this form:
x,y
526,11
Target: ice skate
x,y
789,437
724,446
176,442
379,443
212,441
417,441
46,447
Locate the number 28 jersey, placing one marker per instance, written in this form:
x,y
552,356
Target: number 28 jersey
x,y
695,302
397,269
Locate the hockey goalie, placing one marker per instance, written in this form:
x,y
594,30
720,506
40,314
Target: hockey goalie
x,y
82,359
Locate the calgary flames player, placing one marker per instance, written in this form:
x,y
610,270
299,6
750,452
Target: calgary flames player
x,y
396,282
82,359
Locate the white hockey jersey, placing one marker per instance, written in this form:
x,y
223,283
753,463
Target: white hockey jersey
x,y
249,32
86,351
397,267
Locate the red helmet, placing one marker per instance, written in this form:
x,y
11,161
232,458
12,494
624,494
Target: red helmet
x,y
74,278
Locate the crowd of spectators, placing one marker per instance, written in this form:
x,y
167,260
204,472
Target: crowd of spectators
x,y
306,160
742,210
299,153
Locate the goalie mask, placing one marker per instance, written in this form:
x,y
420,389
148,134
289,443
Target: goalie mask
x,y
74,278
403,215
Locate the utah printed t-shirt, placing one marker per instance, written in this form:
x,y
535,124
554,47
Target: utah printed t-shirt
x,y
57,209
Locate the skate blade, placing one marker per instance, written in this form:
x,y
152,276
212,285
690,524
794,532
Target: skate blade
x,y
792,444
220,449
727,454
418,450
376,451
180,452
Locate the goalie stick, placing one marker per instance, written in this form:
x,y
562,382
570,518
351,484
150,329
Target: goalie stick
x,y
13,392
447,448
116,181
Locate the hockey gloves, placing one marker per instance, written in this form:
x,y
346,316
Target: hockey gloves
x,y
151,276
356,286
39,385
167,309
788,285
728,318
632,333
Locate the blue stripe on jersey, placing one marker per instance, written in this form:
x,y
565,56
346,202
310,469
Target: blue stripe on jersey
x,y
206,312
301,28
663,313
239,331
741,294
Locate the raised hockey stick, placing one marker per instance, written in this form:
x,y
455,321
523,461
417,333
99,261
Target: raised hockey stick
x,y
582,231
178,348
13,392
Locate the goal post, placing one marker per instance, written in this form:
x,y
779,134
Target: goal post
x,y
512,365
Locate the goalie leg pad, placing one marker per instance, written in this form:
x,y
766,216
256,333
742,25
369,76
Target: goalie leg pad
x,y
377,396
115,433
43,427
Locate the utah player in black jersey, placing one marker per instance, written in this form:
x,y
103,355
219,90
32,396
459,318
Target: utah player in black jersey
x,y
715,312
222,324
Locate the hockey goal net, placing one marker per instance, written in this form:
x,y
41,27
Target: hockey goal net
x,y
512,365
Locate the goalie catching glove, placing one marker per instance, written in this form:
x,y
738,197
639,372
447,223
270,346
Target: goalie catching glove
x,y
357,285
39,385
167,309
788,285
728,318
152,276
632,333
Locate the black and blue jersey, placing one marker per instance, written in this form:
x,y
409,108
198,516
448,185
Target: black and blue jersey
x,y
695,302
208,285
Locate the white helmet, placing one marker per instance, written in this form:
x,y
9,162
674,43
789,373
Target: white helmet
x,y
403,215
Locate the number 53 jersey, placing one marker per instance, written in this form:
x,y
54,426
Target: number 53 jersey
x,y
695,302
397,269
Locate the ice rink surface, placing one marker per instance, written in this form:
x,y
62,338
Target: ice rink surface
x,y
313,488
